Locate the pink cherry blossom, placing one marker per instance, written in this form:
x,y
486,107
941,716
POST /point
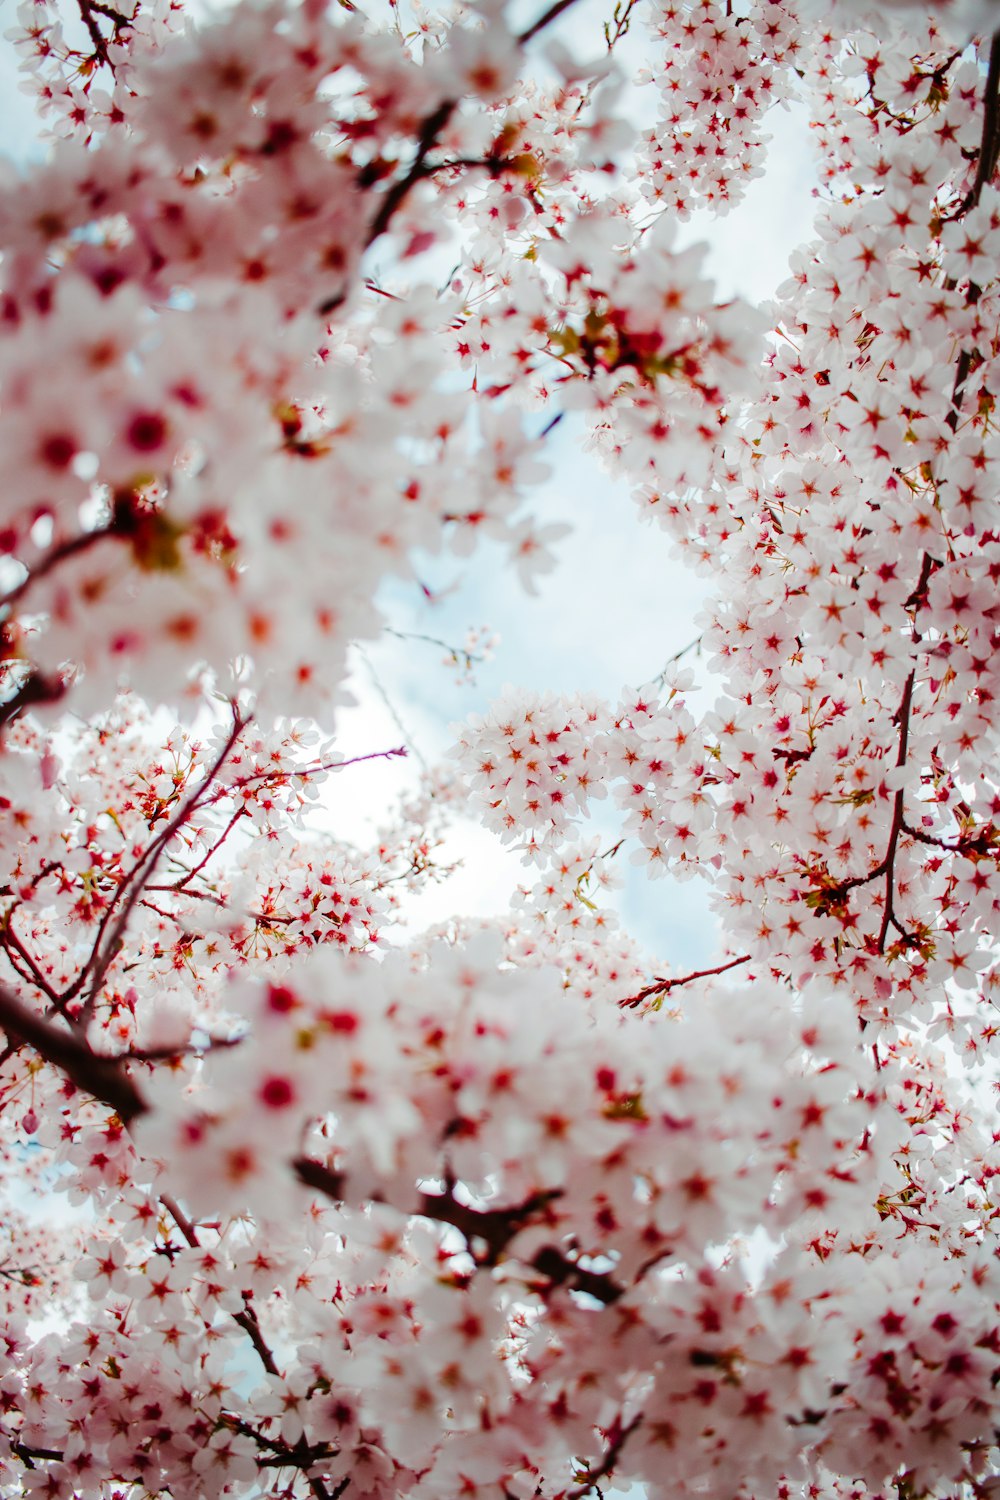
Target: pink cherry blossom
x,y
298,1198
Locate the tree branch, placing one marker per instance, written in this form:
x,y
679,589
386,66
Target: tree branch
x,y
36,688
989,148
618,1435
178,885
105,1078
889,863
427,139
982,842
247,1319
53,558
495,1227
600,1285
105,949
664,986
27,1454
9,940
545,19
87,9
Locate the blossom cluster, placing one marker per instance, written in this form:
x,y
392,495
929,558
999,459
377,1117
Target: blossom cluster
x,y
298,1203
569,1165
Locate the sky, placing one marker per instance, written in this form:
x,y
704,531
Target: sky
x,y
617,605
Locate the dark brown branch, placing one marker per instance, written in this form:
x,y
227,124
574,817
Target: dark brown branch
x,y
313,1174
36,689
103,1077
545,19
89,10
426,141
618,1435
664,986
106,1079
247,1319
827,898
981,843
989,148
183,1049
180,1218
31,972
53,558
27,1454
889,863
917,598
493,1227
113,15
563,1272
430,132
281,1455
962,371
24,965
886,867
400,189
22,1275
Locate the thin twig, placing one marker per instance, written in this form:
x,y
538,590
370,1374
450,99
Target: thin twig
x,y
36,689
427,138
897,818
9,939
660,679
247,1319
664,986
983,842
52,559
119,21
169,1053
494,1228
106,948
611,1457
393,199
545,19
178,885
380,689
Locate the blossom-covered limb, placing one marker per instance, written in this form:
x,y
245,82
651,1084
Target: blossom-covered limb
x,y
618,1435
114,923
101,1077
989,147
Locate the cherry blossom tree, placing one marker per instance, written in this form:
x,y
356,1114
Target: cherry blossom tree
x,y
298,1202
